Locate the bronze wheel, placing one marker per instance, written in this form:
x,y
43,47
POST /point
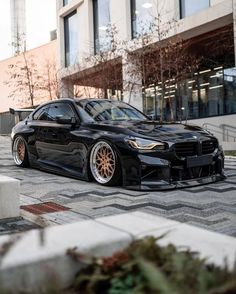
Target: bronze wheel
x,y
19,152
103,163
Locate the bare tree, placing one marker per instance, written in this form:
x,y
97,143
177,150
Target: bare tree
x,y
30,81
24,79
154,57
162,60
50,79
107,62
100,73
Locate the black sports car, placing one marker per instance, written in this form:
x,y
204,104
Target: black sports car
x,y
114,143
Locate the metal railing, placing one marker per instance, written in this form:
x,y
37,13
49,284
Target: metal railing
x,y
226,133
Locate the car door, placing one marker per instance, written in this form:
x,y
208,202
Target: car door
x,y
38,124
60,148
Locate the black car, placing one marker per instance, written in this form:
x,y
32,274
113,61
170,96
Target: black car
x,y
115,144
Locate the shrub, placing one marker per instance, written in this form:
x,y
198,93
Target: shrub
x,y
145,267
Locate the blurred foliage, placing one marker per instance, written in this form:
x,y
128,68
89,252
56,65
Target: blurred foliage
x,y
230,153
145,267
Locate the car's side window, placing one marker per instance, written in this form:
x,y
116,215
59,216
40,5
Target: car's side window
x,y
60,109
41,114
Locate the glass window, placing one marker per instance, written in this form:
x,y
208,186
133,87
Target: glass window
x,y
151,102
65,2
60,109
210,92
71,40
189,7
230,90
142,17
112,110
204,94
41,114
101,12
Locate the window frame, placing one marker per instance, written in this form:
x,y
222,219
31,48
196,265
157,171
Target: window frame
x,y
96,37
132,7
95,24
61,103
134,19
38,110
66,36
181,9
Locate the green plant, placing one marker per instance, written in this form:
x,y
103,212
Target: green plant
x,y
230,153
145,267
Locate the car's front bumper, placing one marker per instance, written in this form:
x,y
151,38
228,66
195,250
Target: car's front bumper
x,y
153,173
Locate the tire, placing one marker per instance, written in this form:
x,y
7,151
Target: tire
x,y
104,164
19,152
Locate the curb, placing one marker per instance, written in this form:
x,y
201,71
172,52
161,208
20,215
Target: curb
x,y
230,157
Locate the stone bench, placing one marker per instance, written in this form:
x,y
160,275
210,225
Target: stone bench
x,y
9,197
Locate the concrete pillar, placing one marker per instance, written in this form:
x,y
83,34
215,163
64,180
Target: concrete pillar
x,y
86,35
66,89
122,20
132,83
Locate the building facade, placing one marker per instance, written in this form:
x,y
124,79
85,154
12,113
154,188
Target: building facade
x,y
205,95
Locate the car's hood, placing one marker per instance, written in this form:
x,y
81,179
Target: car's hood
x,y
168,132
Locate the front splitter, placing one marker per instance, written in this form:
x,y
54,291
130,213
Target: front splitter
x,y
164,185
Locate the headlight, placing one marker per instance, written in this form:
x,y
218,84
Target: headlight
x,y
208,132
143,144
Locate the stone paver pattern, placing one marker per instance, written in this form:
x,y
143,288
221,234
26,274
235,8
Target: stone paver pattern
x,y
210,206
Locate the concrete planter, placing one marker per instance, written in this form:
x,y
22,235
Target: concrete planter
x,y
38,258
9,197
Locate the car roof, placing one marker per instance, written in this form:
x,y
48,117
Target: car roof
x,y
94,99
75,99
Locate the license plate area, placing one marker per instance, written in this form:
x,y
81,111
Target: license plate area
x,y
194,161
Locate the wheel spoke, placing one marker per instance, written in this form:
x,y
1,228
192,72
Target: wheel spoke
x,y
102,162
19,150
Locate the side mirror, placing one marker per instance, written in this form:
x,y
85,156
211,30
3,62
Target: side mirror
x,y
66,121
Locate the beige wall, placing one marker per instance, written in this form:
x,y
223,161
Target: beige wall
x,y
41,55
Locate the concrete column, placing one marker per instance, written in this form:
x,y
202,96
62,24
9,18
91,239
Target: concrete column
x,y
66,89
132,83
122,20
60,38
85,35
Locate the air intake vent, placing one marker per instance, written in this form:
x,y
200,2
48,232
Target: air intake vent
x,y
186,149
209,146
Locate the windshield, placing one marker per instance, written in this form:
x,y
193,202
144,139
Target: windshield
x,y
111,110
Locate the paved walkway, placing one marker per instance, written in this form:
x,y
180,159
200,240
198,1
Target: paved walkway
x,y
51,199
16,225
